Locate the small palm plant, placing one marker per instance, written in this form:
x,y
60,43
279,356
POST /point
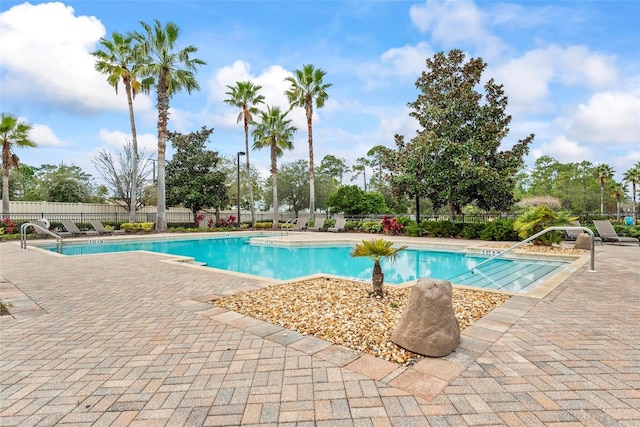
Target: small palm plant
x,y
376,250
537,219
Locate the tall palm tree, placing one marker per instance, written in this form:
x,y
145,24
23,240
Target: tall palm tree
x,y
306,87
170,71
617,191
13,133
376,250
245,96
632,176
274,130
603,173
118,60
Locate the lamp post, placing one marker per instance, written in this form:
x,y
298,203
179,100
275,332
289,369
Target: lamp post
x,y
240,153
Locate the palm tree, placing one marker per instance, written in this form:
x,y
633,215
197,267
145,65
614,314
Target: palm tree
x,y
245,96
376,250
118,61
169,71
274,130
306,87
632,176
617,191
13,133
537,219
603,172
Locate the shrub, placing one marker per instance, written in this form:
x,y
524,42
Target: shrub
x,y
370,226
390,225
9,225
137,226
440,228
499,230
472,231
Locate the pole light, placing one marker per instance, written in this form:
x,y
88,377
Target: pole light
x,y
240,153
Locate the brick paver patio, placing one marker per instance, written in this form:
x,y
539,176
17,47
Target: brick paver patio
x,y
128,339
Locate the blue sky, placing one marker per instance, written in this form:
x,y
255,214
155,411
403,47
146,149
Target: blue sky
x,y
571,70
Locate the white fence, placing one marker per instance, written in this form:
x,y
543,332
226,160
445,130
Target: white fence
x,y
82,212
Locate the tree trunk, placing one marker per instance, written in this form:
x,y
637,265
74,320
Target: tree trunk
x,y
274,183
377,279
601,197
5,192
249,179
312,191
163,117
134,162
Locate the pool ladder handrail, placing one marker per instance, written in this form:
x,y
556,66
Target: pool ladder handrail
x,y
23,235
546,230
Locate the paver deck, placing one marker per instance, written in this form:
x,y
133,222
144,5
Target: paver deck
x,y
128,339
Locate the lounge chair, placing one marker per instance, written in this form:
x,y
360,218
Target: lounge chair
x,y
99,227
318,225
301,223
608,234
72,228
572,235
340,225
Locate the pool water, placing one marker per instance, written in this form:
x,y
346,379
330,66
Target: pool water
x,y
239,255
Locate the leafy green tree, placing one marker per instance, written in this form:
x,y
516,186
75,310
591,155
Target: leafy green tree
x,y
455,158
23,183
603,173
245,95
13,133
351,200
193,177
275,131
293,185
377,250
632,176
65,183
117,172
306,88
333,166
118,60
229,166
360,168
326,184
377,158
170,71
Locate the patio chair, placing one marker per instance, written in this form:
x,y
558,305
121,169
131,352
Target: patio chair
x,y
608,233
572,235
340,225
318,225
72,228
99,227
41,234
301,224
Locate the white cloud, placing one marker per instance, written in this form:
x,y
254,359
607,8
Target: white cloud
x,y
46,54
564,150
406,60
528,79
609,117
116,139
45,137
454,23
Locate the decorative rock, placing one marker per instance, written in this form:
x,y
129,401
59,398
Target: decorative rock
x,y
428,325
583,241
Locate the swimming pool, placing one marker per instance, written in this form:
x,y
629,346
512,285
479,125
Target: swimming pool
x,y
278,262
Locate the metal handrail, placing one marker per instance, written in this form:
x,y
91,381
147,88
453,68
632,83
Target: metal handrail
x,y
546,230
23,235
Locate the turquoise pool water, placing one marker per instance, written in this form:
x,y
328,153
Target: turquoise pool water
x,y
238,254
